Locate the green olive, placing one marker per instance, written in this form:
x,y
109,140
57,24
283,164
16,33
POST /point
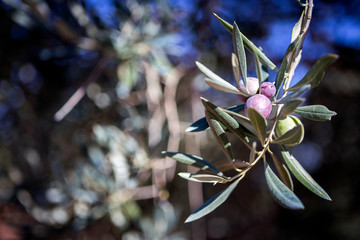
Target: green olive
x,y
285,125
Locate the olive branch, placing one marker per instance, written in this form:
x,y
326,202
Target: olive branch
x,y
253,127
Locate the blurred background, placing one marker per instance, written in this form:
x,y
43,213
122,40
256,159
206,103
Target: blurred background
x,y
92,91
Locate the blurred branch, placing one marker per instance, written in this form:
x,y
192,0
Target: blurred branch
x,y
80,92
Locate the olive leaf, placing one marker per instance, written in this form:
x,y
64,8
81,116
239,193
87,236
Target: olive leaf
x,y
236,69
194,161
315,112
231,124
316,72
283,172
204,178
280,77
259,123
258,70
295,94
292,137
290,107
240,52
201,124
220,135
249,45
213,202
301,174
297,28
252,152
215,81
282,194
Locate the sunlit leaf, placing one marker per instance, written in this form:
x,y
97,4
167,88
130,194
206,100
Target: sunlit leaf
x,y
282,194
315,112
297,28
259,123
240,52
283,172
215,81
280,77
194,161
236,68
301,174
316,72
213,203
249,45
204,178
201,124
220,135
290,107
292,137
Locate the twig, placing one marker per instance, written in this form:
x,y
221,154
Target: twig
x,y
80,92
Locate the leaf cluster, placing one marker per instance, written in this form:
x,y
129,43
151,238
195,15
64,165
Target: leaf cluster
x,y
255,131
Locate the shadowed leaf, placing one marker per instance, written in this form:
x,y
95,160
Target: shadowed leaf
x,y
283,172
292,137
194,161
316,72
249,45
296,94
259,123
290,107
282,194
212,203
231,124
220,135
301,174
201,124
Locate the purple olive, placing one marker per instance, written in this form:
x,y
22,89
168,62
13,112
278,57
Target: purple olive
x,y
260,103
252,85
268,89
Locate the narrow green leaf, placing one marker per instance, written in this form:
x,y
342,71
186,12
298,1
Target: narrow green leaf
x,y
201,124
215,81
316,72
213,203
282,194
204,178
301,174
297,28
231,124
220,135
283,172
194,161
280,77
290,107
295,94
249,45
236,69
315,112
258,70
240,52
259,123
291,137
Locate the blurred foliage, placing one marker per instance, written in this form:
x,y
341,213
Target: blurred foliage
x,y
112,73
